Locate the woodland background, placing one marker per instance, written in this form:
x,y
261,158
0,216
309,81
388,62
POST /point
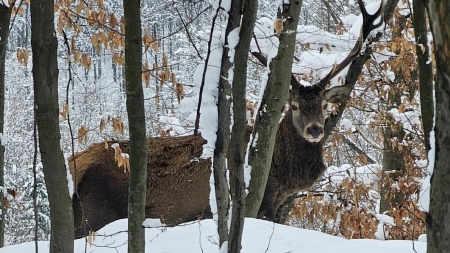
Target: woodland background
x,y
377,156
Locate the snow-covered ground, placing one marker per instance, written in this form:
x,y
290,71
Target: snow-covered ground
x,y
259,237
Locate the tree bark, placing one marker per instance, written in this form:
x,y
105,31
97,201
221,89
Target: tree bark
x,y
136,119
438,226
425,69
272,105
393,163
5,16
223,128
45,75
237,159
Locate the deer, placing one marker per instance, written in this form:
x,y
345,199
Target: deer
x,y
297,161
178,182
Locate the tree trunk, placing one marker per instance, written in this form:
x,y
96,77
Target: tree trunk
x,y
393,163
272,105
237,159
425,69
438,228
45,75
5,16
223,128
136,118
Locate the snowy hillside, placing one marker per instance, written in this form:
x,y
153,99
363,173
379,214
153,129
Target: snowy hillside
x,y
259,237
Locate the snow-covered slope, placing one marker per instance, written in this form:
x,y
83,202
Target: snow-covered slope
x,y
259,237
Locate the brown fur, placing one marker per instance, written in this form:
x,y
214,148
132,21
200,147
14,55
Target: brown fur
x,y
177,183
178,189
296,166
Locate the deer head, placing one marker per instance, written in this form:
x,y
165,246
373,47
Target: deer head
x,y
309,109
308,104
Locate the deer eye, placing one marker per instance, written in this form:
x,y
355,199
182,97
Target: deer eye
x,y
325,106
294,107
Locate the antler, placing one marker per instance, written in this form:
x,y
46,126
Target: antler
x,y
367,26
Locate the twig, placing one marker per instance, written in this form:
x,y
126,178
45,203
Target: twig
x,y
11,26
200,236
187,31
83,221
270,238
36,214
202,85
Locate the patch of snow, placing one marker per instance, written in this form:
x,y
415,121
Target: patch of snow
x,y
422,238
346,125
258,236
153,223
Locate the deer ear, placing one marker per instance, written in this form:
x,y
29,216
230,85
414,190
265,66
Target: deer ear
x,y
337,94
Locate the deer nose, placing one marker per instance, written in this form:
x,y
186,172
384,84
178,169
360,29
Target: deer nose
x,y
315,131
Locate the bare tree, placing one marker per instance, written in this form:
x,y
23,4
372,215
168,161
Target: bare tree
x,y
237,159
5,15
437,220
424,68
136,118
45,76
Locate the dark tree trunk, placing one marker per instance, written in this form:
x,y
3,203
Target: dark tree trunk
x,y
272,105
393,163
136,118
438,226
45,75
5,16
425,69
223,128
237,159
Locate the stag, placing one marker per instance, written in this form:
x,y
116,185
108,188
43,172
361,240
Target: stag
x,y
178,184
297,161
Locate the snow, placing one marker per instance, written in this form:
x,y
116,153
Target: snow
x,y
426,183
366,174
69,180
346,124
325,49
385,220
152,223
233,40
70,185
259,236
265,39
172,125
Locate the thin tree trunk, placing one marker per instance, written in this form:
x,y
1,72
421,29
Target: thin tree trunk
x,y
393,163
136,118
45,75
272,105
5,16
223,128
425,69
237,159
438,227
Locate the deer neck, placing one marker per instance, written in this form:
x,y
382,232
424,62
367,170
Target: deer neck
x,y
288,136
